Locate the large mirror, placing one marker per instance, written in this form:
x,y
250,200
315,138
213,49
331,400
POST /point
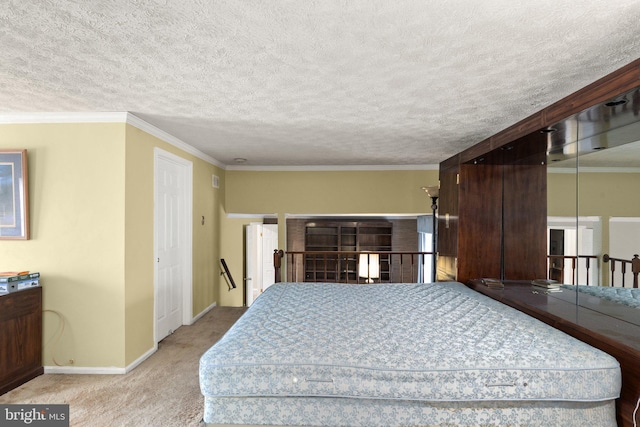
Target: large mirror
x,y
593,189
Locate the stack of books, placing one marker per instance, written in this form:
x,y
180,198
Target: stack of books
x,y
12,281
493,283
546,285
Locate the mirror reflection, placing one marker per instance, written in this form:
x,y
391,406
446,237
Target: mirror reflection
x,y
593,164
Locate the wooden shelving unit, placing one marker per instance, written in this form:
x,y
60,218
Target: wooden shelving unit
x,y
351,236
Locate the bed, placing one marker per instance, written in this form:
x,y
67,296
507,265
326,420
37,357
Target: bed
x,y
625,296
326,354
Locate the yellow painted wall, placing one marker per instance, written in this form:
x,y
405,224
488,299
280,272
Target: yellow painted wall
x,y
314,192
139,249
599,194
76,196
91,199
206,237
233,248
328,192
609,194
561,194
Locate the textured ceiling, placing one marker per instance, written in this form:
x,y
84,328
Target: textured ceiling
x,y
309,83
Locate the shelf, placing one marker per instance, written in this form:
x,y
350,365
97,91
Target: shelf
x,y
344,236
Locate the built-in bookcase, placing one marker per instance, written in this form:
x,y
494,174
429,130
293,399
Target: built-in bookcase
x,y
351,236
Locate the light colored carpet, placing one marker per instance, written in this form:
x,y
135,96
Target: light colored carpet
x,y
162,391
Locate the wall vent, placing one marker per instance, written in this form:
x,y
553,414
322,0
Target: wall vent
x,y
215,181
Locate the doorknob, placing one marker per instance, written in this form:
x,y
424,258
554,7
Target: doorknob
x,y
247,278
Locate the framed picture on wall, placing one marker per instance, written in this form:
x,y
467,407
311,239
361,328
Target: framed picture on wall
x,y
14,195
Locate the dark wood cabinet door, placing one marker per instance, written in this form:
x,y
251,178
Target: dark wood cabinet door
x,y
20,337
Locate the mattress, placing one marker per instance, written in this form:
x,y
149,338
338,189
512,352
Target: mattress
x,y
398,346
626,296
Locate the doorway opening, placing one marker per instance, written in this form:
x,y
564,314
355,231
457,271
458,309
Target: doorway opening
x,y
569,238
261,241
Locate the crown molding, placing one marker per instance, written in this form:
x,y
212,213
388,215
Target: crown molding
x,y
317,168
62,117
107,117
144,126
137,122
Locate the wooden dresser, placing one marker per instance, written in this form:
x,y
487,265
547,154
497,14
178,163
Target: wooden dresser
x,y
20,337
615,336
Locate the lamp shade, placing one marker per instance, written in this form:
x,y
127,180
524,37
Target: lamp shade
x,y
433,191
369,266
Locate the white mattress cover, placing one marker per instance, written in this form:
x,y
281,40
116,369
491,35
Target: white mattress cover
x,y
344,412
626,296
435,342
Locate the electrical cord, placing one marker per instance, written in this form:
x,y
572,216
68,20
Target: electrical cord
x,y
57,340
634,412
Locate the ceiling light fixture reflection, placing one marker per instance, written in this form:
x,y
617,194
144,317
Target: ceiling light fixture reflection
x,y
616,103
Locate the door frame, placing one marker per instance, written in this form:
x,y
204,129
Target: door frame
x,y
186,231
253,253
255,258
580,226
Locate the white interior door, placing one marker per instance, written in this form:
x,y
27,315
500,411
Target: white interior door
x,y
261,240
252,263
172,240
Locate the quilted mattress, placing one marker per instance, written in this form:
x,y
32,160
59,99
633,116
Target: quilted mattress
x,y
422,342
626,296
401,354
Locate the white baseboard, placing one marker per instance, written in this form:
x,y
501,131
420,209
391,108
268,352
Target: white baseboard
x,y
142,358
100,370
114,370
202,313
83,370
